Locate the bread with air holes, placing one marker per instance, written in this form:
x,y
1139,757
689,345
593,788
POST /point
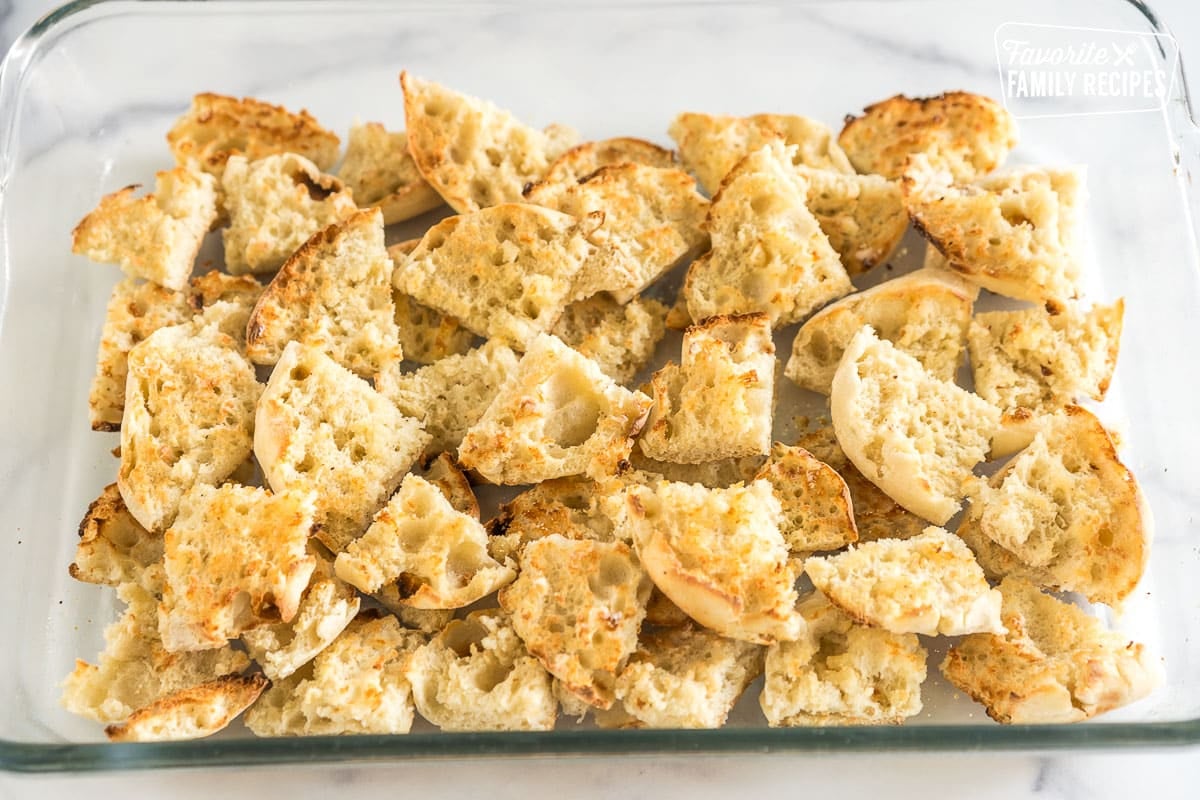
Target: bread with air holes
x,y
191,713
863,216
225,301
570,507
426,335
817,510
621,339
381,173
114,548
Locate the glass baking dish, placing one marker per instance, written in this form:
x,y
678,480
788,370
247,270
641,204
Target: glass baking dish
x,y
87,94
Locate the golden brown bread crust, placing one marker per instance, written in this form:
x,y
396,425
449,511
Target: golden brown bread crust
x,y
817,509
113,548
583,160
190,713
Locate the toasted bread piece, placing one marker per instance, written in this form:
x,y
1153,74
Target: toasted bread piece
x,y
225,301
426,334
155,237
189,418
911,434
1056,663
662,613
578,604
711,144
769,253
719,402
840,672
558,415
621,339
445,473
718,554
862,215
476,675
134,312
437,555
381,173
929,584
967,134
275,205
1064,513
320,428
335,294
583,159
451,395
717,474
817,510
570,507
114,548
925,313
217,127
191,713
473,153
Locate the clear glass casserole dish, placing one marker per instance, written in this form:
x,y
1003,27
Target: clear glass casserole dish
x,y
87,94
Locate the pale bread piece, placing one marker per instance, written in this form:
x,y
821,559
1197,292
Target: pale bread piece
x,y
914,436
719,401
476,675
334,294
769,253
135,310
967,134
135,669
319,427
711,144
578,604
686,677
189,418
584,159
451,395
840,672
570,507
225,301
235,558
621,339
925,313
1065,513
863,216
426,334
437,555
445,473
381,173
473,153
275,204
719,555
818,513
356,685
114,548
157,236
1016,234
191,713
1056,664
217,127
558,415
929,584
718,474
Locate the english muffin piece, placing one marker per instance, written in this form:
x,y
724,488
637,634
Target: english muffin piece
x,y
275,204
134,312
451,395
217,127
621,339
320,428
577,604
114,548
719,402
1064,513
225,301
334,294
426,334
356,685
711,144
477,676
1056,664
769,253
473,153
662,613
584,159
189,419
445,473
718,555
862,215
558,415
191,713
929,584
717,474
817,510
381,173
914,436
570,507
967,134
436,555
925,313
426,620
842,673
155,237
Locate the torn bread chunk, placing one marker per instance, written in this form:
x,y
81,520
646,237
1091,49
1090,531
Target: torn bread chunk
x,y
817,510
929,584
718,474
275,204
769,253
584,159
114,548
1056,664
914,436
225,301
426,335
621,339
925,313
570,507
476,675
446,474
319,427
157,236
191,713
334,294
381,173
558,415
840,672
863,216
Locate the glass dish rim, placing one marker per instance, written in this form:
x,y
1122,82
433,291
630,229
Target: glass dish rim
x,y
18,756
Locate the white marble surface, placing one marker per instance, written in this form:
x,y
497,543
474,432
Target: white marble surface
x,y
1151,774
